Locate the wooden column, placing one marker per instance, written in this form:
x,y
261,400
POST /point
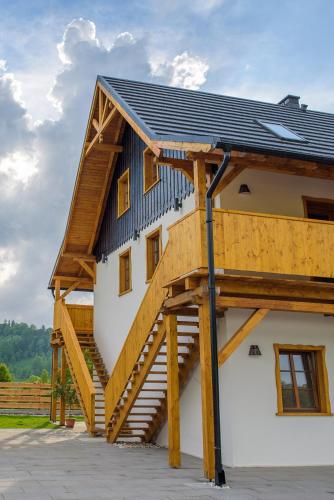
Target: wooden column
x,y
206,390
173,403
63,381
53,415
200,183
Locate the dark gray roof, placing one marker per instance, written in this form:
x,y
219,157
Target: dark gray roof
x,y
169,113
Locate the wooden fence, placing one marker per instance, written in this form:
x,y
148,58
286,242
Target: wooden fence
x,y
25,396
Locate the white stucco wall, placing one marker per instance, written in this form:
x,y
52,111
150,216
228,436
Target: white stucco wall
x,y
114,314
252,434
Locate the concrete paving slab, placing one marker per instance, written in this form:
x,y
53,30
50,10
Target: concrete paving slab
x,y
64,465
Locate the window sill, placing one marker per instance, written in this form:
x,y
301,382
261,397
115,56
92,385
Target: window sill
x,y
303,414
122,213
125,292
148,189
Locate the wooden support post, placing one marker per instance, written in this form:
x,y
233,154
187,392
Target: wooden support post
x,y
53,416
63,381
233,343
200,183
206,390
173,403
57,289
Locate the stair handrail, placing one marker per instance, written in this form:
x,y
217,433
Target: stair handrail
x,y
78,362
144,320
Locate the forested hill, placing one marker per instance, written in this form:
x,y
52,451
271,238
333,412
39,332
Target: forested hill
x,y
25,349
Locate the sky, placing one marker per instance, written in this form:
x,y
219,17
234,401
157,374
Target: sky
x,y
50,55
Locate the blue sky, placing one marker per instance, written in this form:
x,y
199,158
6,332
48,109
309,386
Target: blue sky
x,y
50,53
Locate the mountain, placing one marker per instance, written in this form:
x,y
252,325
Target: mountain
x,y
25,349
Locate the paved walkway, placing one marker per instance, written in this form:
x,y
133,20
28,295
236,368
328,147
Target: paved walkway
x,y
61,464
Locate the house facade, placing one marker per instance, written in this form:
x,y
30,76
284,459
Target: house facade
x,y
136,237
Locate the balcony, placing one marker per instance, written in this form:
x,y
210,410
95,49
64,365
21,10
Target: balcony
x,y
254,243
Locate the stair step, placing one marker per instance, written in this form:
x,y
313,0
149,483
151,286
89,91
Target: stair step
x,y
146,406
137,429
136,421
132,435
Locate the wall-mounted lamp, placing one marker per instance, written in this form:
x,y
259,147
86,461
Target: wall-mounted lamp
x,y
254,350
244,189
136,235
177,204
104,258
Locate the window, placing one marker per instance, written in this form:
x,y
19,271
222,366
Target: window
x,y
301,379
281,131
123,193
153,252
125,272
151,170
319,209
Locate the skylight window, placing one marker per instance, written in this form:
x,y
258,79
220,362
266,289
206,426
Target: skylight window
x,y
281,131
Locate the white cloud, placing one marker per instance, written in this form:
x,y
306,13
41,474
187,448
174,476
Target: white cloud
x,y
77,31
19,167
33,221
188,71
8,265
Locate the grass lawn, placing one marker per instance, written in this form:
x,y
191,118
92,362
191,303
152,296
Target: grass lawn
x,y
27,422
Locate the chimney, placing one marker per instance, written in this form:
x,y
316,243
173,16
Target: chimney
x,y
292,101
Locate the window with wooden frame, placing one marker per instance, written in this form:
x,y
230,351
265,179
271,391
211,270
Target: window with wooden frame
x,y
302,380
153,252
123,196
150,170
125,284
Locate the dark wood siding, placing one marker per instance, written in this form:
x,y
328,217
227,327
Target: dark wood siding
x,y
144,209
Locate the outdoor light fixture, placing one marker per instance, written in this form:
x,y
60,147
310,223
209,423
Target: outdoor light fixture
x,y
136,235
177,204
244,189
104,258
254,350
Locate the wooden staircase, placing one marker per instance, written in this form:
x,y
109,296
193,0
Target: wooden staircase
x,y
89,387
142,408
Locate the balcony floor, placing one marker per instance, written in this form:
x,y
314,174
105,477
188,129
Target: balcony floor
x,y
62,464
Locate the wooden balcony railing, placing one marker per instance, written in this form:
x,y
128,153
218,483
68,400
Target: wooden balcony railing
x,y
81,317
254,242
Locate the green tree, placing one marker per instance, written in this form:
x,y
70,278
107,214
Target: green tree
x,y
5,375
45,379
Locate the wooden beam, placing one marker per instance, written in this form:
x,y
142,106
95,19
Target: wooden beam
x,y
228,178
63,381
112,114
151,144
184,166
275,305
87,268
206,390
70,289
275,288
200,183
188,297
54,373
173,391
233,343
76,255
111,148
67,279
57,288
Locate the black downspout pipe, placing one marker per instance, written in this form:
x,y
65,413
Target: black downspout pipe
x,y
219,471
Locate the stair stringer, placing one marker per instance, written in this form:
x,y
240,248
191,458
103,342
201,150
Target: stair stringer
x,y
141,328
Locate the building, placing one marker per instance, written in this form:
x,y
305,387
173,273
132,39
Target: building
x,y
136,237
